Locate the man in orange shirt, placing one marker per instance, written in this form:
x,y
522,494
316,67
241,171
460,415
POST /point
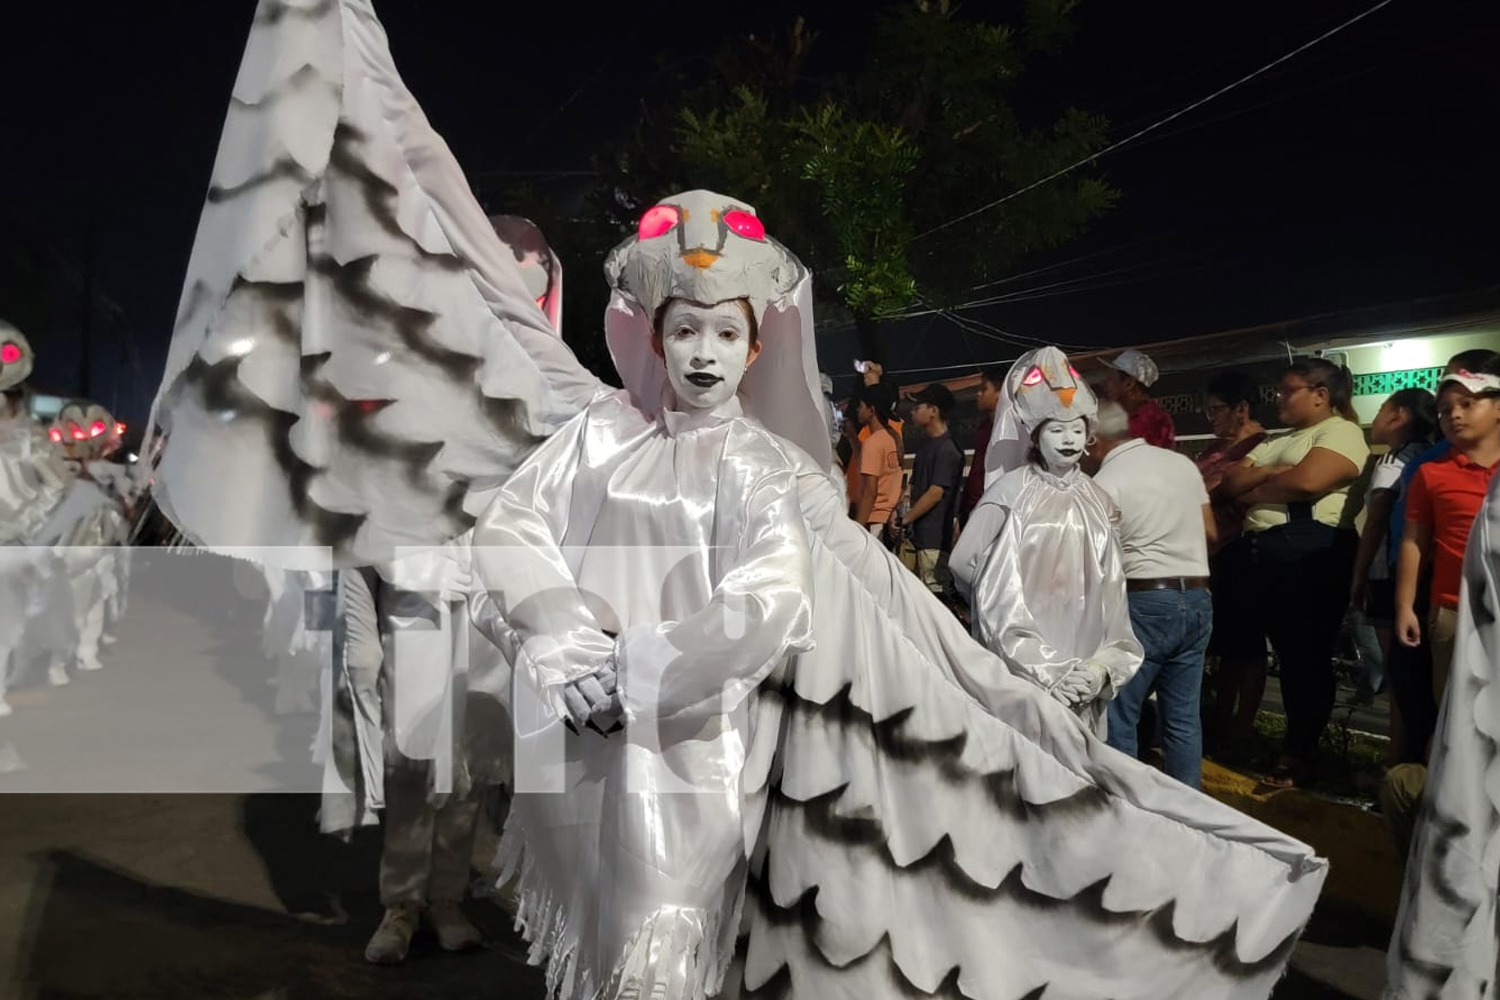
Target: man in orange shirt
x,y
1445,497
879,458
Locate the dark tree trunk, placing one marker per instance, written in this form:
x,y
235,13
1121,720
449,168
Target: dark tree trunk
x,y
871,344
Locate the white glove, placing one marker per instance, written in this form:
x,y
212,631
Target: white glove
x,y
1081,684
593,698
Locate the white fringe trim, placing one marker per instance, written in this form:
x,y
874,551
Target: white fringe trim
x,y
678,953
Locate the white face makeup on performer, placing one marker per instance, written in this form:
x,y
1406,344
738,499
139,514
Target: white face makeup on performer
x,y
1062,442
707,350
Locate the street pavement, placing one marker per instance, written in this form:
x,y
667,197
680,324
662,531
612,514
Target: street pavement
x,y
175,858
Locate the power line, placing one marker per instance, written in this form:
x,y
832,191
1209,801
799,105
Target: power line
x,y
1155,125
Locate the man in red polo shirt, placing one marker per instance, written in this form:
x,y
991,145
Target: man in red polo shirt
x,y
1444,499
990,381
1130,374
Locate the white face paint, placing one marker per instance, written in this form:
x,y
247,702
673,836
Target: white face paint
x,y
706,350
1061,443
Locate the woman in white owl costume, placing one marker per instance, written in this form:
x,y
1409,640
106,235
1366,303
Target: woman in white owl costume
x,y
33,479
77,546
820,784
1039,559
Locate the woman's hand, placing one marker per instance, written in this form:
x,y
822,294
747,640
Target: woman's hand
x,y
1241,479
1408,627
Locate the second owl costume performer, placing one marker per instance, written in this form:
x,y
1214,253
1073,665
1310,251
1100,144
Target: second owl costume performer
x,y
862,800
1039,558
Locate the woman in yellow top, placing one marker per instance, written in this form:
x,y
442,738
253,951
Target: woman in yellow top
x,y
1302,544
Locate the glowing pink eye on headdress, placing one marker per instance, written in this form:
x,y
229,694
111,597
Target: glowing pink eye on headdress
x,y
1074,372
55,435
120,429
746,225
10,353
77,433
657,221
97,427
1033,377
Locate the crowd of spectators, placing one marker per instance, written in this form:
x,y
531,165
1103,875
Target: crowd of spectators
x,y
1248,551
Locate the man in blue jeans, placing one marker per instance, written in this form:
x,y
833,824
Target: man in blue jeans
x,y
1165,527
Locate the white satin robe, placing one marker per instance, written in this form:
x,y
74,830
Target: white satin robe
x,y
675,547
1041,563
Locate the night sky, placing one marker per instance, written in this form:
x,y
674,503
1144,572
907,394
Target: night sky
x,y
1361,172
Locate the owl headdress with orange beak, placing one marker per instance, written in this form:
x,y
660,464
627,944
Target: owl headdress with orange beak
x,y
1040,386
709,248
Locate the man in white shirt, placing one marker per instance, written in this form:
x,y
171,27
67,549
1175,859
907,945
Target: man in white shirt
x,y
1165,527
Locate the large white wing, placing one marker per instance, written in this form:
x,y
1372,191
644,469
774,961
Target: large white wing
x,y
935,827
357,363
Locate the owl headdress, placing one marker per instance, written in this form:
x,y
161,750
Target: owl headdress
x,y
708,248
1040,386
85,430
15,357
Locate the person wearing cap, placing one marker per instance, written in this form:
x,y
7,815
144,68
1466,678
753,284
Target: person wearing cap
x,y
879,457
1446,495
935,476
1130,374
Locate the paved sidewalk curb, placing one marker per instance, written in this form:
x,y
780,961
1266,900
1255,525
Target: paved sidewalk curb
x,y
1364,874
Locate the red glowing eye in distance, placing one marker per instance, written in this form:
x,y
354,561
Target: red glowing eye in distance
x,y
55,435
10,353
77,433
1074,371
97,427
656,222
744,224
1033,377
120,429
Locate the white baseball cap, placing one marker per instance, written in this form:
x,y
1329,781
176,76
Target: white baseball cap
x,y
1136,365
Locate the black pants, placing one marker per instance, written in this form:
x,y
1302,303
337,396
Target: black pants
x,y
1301,572
1408,673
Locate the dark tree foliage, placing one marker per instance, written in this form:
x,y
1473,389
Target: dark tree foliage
x,y
852,167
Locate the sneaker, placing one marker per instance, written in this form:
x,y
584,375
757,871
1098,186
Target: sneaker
x,y
57,674
454,932
392,939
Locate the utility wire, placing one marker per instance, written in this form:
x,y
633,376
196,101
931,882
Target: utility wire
x,y
1155,125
